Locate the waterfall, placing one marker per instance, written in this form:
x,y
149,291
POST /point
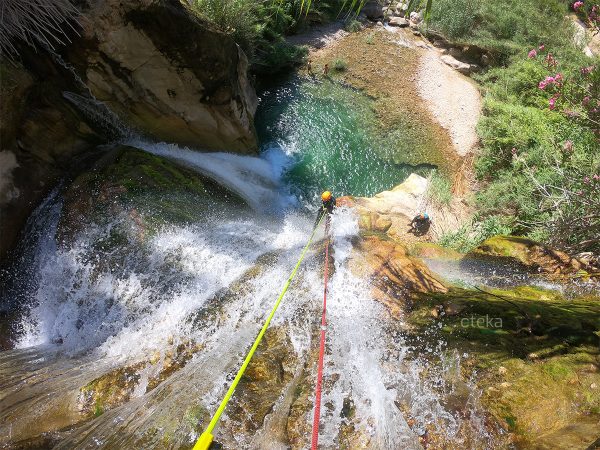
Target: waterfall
x,y
206,288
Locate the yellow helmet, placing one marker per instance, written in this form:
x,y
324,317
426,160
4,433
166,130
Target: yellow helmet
x,y
326,196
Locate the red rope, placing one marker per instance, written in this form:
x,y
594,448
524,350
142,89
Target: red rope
x,y
315,430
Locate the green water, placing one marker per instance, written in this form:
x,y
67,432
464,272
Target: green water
x,y
331,136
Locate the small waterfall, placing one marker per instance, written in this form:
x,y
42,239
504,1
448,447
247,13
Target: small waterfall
x,y
100,115
256,180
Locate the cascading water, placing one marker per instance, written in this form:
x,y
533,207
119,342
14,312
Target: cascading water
x,y
173,314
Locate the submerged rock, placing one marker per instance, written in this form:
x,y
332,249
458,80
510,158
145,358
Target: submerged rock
x,y
143,190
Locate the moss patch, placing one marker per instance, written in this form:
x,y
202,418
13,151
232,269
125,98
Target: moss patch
x,y
150,190
536,356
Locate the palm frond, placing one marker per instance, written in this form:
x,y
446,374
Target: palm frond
x,y
35,22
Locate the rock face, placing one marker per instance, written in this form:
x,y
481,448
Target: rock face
x,y
168,74
390,211
160,68
43,139
395,276
531,254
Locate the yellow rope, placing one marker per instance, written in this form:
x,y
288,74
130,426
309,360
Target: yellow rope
x,y
206,438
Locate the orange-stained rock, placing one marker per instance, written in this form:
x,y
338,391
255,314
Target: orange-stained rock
x,y
395,276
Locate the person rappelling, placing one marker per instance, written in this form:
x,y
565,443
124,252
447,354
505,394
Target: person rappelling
x,y
420,224
327,206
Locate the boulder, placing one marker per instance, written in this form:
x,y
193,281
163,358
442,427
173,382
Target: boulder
x,y
531,254
390,211
398,22
373,10
416,17
457,65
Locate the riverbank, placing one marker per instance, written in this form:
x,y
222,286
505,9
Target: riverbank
x,y
412,88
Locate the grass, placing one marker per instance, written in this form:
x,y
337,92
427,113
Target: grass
x,y
440,189
353,26
340,65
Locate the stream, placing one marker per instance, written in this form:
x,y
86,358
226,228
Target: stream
x,y
193,296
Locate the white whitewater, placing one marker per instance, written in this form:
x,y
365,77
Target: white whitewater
x,y
88,317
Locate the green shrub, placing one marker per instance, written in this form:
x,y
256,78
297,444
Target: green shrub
x,y
353,26
340,65
504,27
535,161
440,189
237,17
454,18
370,39
279,56
471,235
258,26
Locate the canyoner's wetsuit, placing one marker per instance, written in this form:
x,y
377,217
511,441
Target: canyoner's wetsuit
x,y
326,208
421,223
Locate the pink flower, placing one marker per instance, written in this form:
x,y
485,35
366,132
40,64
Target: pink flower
x,y
587,70
596,177
552,103
558,77
542,85
550,80
579,192
513,151
542,47
532,54
586,179
586,100
577,5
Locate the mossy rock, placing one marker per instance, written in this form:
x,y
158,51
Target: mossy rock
x,y
536,357
532,255
109,390
149,189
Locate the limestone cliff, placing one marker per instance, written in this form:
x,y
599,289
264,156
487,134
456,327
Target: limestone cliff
x,y
163,71
167,73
